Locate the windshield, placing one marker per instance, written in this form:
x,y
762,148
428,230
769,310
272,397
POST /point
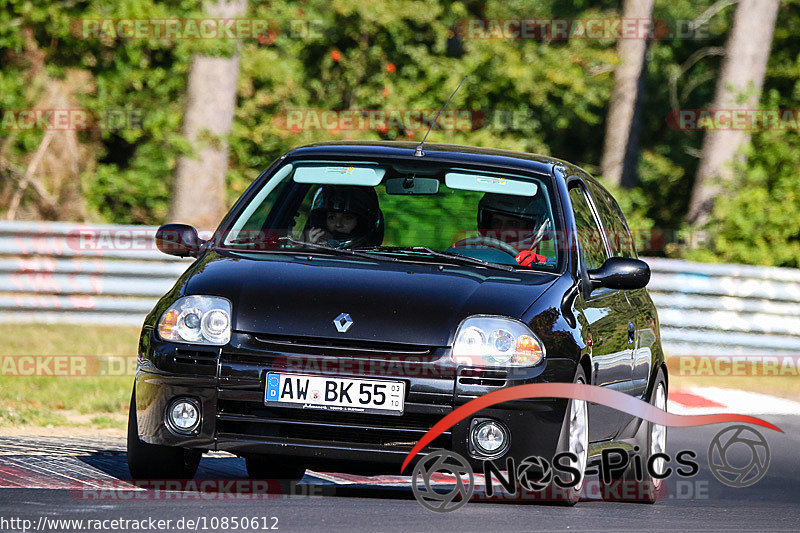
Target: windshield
x,y
423,212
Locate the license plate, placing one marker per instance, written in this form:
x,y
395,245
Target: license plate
x,y
335,394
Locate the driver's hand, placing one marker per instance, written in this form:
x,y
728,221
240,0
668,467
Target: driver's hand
x,y
315,235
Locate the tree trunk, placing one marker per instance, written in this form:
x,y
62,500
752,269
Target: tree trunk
x,y
620,150
739,87
199,189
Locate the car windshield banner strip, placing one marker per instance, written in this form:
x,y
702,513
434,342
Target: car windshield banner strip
x,y
590,393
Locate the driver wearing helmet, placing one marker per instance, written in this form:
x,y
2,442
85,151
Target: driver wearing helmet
x,y
345,217
519,221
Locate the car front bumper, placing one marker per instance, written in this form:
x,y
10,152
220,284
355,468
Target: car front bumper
x,y
228,383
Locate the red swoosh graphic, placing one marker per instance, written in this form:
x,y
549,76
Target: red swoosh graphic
x,y
590,393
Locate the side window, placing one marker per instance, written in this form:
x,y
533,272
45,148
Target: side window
x,y
614,222
589,236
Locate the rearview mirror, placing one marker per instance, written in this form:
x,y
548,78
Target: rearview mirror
x,y
622,273
412,185
178,239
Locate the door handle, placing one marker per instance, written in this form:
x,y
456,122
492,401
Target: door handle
x,y
631,331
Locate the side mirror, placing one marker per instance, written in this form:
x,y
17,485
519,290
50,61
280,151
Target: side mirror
x,y
622,273
178,239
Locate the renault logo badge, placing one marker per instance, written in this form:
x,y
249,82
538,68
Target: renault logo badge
x,y
343,322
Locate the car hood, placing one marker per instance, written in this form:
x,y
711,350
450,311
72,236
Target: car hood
x,y
408,303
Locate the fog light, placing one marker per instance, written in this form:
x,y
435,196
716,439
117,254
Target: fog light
x,y
183,415
489,437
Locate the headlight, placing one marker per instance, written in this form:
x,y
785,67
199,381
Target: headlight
x,y
197,320
496,341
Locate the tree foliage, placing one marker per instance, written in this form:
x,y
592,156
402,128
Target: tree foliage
x,y
549,97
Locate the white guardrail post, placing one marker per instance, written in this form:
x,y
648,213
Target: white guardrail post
x,y
54,272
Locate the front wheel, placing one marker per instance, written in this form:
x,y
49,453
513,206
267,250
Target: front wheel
x,y
574,439
642,484
151,461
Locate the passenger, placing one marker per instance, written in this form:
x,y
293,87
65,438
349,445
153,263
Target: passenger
x,y
345,217
519,221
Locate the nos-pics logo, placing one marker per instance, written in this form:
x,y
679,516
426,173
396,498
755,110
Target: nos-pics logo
x,y
444,481
738,456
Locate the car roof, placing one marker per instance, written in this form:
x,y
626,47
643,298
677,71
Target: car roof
x,y
439,152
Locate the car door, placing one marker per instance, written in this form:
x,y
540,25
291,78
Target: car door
x,y
605,313
640,328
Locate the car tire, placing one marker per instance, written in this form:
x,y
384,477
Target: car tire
x,y
151,461
574,438
650,439
274,467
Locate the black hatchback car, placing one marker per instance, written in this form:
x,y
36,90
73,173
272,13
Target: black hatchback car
x,y
358,292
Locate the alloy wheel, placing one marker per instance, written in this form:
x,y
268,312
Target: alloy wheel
x,y
658,434
579,434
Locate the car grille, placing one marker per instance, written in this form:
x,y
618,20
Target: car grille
x,y
242,414
484,378
195,358
248,419
316,346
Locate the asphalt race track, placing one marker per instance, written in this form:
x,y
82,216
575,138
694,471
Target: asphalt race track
x,y
85,479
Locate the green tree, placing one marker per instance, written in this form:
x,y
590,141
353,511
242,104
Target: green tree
x,y
549,97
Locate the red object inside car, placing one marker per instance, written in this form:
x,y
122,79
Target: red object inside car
x,y
528,257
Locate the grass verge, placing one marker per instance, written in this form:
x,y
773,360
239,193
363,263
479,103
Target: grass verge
x,y
776,380
85,400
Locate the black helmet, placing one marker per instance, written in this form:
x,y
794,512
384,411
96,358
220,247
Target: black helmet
x,y
360,201
530,209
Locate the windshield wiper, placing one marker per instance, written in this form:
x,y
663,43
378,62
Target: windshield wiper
x,y
271,246
364,252
463,259
340,251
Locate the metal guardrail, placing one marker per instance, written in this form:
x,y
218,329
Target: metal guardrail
x,y
77,273
716,309
83,274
